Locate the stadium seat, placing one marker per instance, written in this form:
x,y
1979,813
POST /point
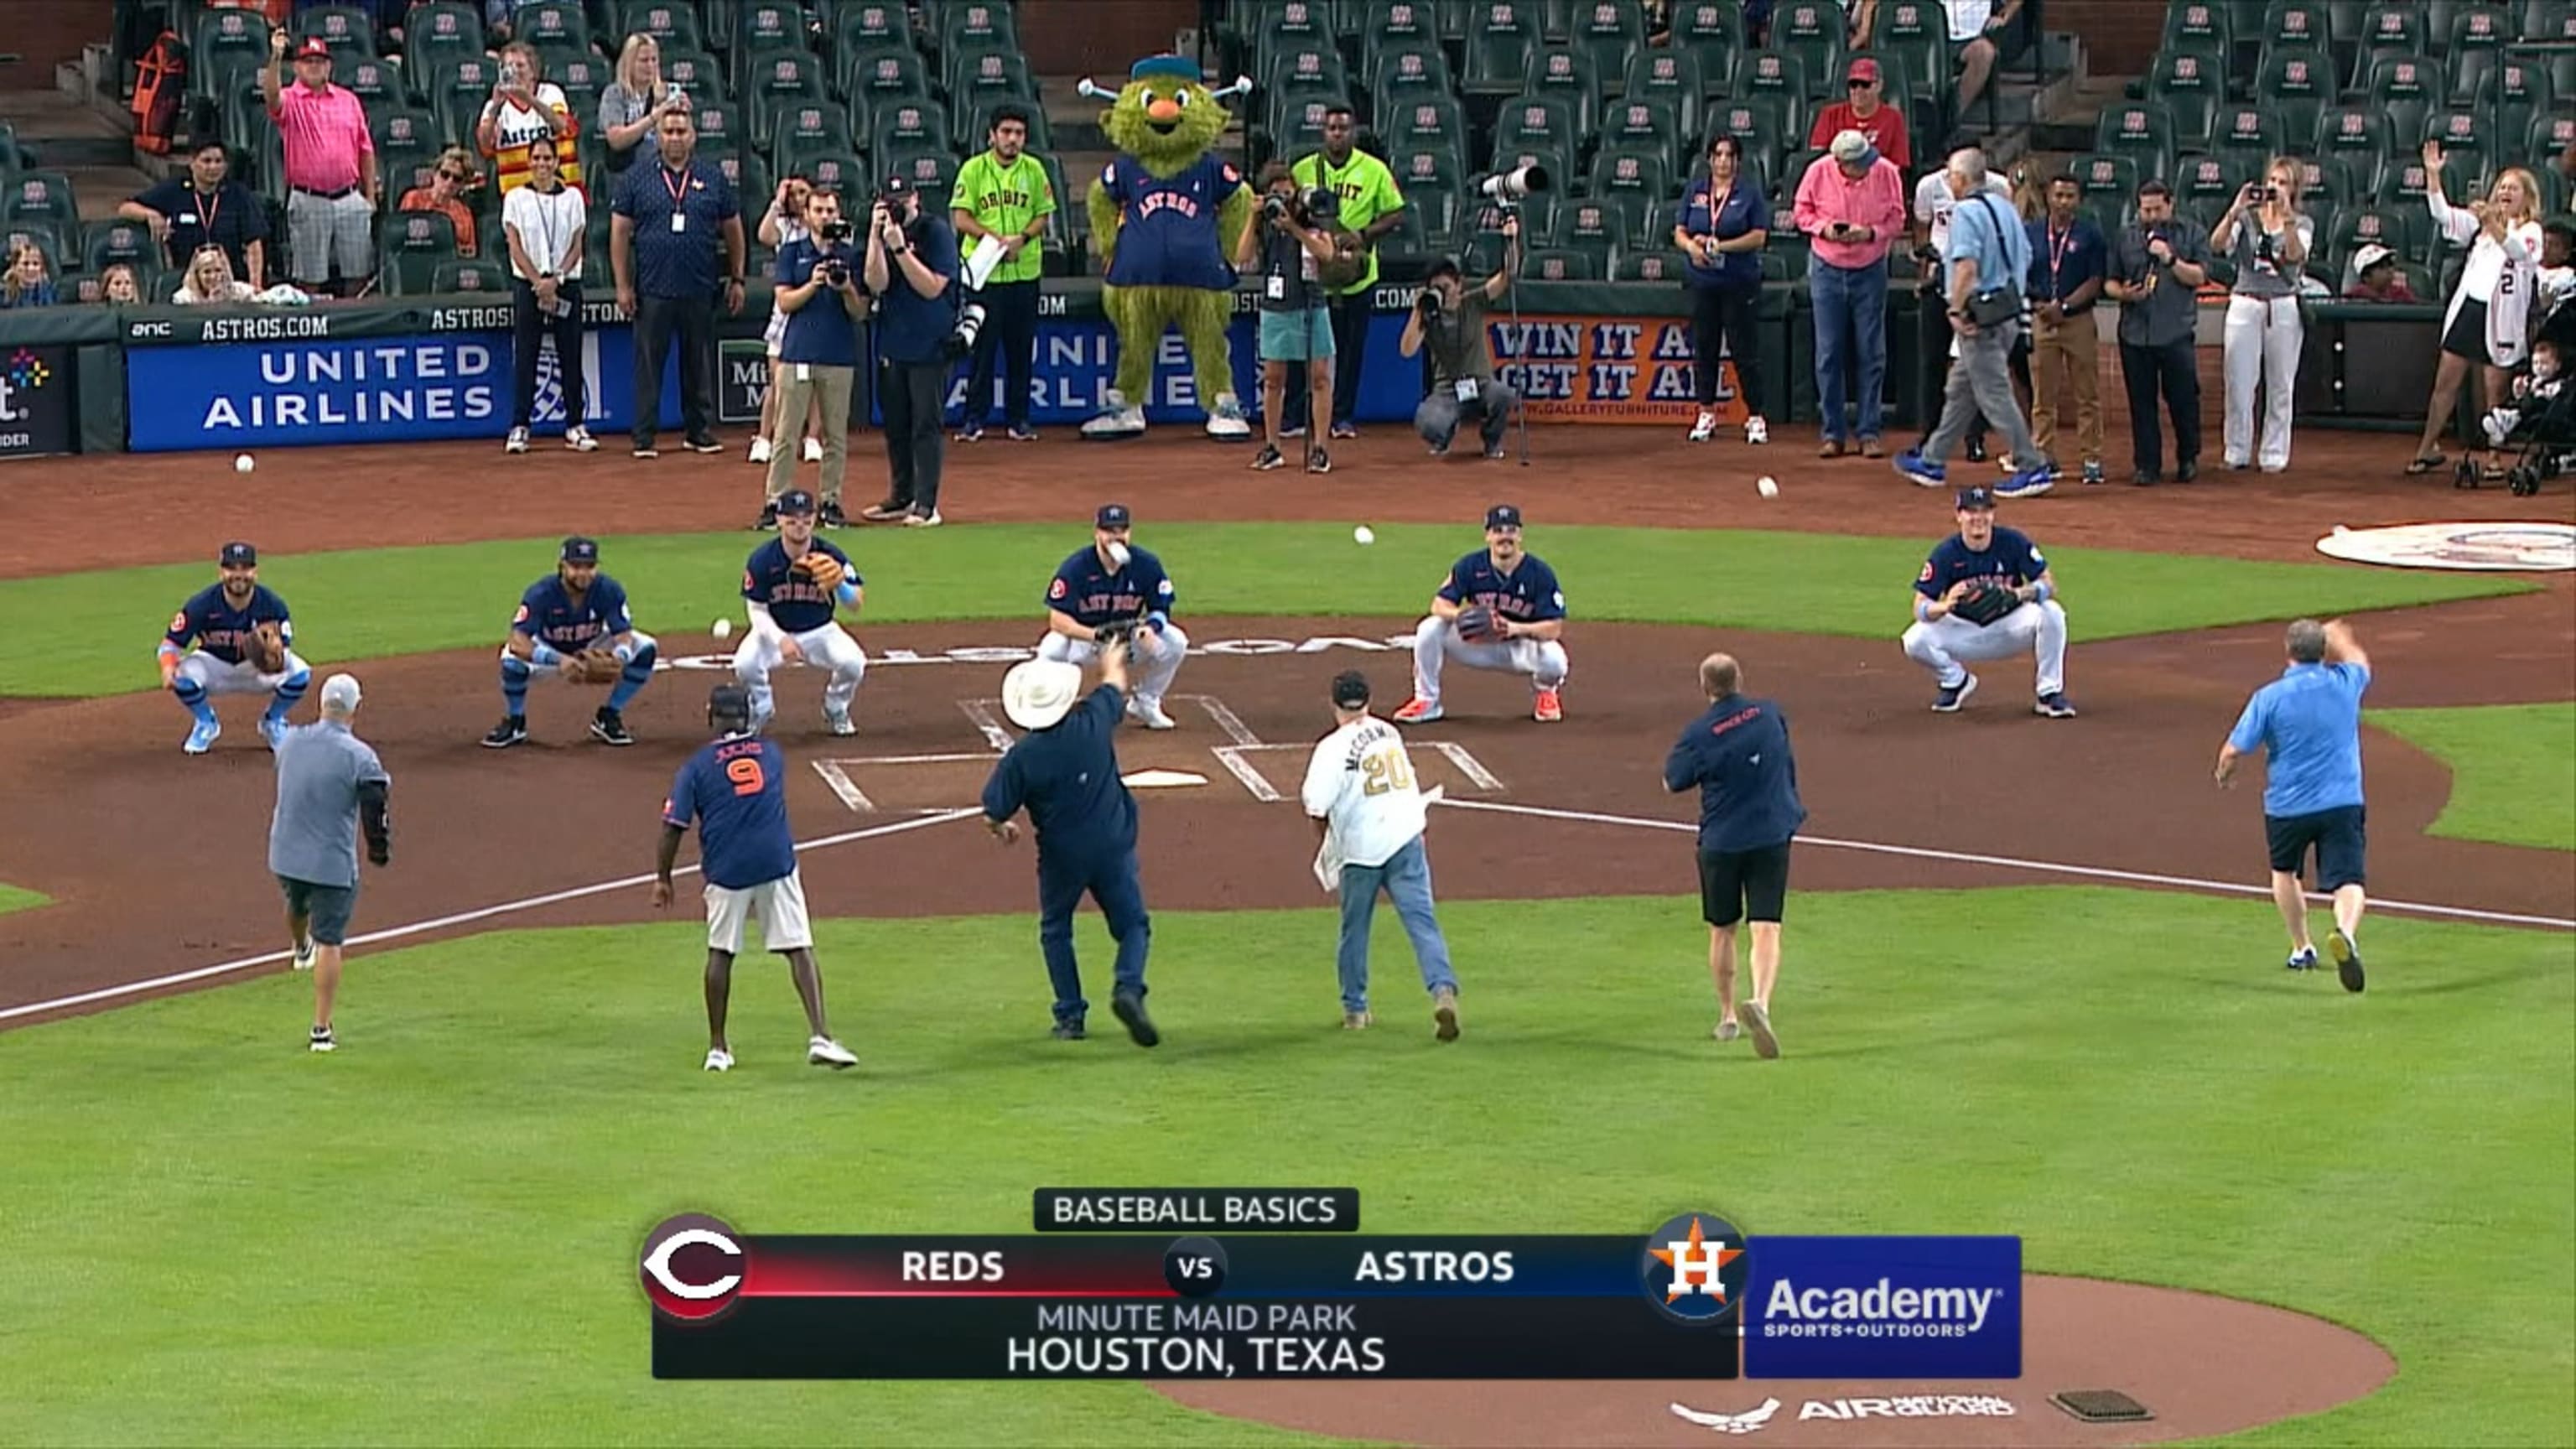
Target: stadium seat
x,y
344,28
1709,27
457,95
1586,225
868,30
581,79
1567,73
1610,32
699,76
1785,259
1917,31
1760,129
2246,134
2514,91
1288,25
722,131
1419,169
1534,121
981,23
2405,88
116,242
1815,32
1397,74
785,77
554,25
933,173
2475,47
2550,135
1649,125
2107,177
374,82
2467,143
2294,84
1642,264
1389,23
415,243
1305,70
1668,77
229,46
908,125
1432,121
673,23
1644,171
870,78
1782,76
2188,87
839,171
2392,29
52,239
762,29
2292,25
407,145
2205,27
806,126
975,134
1634,216
2361,226
1295,126
1561,264
2204,182
2354,130
1501,37
470,275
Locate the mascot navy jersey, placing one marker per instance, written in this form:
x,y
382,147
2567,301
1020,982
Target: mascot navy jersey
x,y
1170,235
1091,594
2010,558
548,614
1527,595
795,602
210,621
735,789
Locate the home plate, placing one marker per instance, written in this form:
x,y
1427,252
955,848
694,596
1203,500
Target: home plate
x,y
1162,779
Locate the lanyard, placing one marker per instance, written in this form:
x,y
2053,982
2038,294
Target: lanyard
x,y
678,185
550,247
2059,243
209,204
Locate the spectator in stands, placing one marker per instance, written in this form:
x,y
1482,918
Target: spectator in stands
x,y
1883,124
545,224
630,110
118,287
29,281
1722,227
1289,244
526,111
1449,319
1984,34
2488,316
210,281
2069,257
2265,238
501,17
1370,207
445,193
2157,266
1851,203
2557,271
817,283
1862,18
333,189
1004,193
2375,277
1988,254
207,205
911,270
671,223
1936,350
780,226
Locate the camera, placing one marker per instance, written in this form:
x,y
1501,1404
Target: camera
x,y
1430,303
1511,186
835,231
970,325
1277,207
2258,193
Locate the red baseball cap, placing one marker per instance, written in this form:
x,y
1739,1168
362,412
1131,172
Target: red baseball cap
x,y
1864,70
313,48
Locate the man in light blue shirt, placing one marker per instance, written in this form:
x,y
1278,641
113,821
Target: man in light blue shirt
x,y
2308,723
1988,250
329,785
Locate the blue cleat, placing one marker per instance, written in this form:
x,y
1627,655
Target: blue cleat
x,y
2028,483
273,730
1912,466
202,738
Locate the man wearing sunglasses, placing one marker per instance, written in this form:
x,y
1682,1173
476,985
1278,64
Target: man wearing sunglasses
x,y
1866,113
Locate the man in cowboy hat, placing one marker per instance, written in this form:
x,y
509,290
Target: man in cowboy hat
x,y
1065,770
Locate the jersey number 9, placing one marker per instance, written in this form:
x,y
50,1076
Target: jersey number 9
x,y
1386,770
747,775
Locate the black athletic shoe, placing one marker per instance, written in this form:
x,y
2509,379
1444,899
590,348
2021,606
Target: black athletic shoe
x,y
767,522
1130,1007
705,445
2147,478
1267,459
1068,1031
607,728
2189,470
1976,450
512,730
1318,461
2347,959
833,517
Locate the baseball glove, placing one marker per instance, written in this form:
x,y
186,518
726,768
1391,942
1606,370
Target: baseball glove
x,y
1477,625
265,649
593,666
823,569
1986,602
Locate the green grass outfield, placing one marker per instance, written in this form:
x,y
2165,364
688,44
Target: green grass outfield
x,y
431,1237
374,603
13,898
2513,769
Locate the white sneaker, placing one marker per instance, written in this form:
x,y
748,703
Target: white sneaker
x,y
578,439
1756,431
1149,714
813,450
922,520
719,1060
822,1051
304,954
760,450
839,720
517,441
321,1039
1705,428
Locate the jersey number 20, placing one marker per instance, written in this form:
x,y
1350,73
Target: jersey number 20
x,y
747,775
1384,771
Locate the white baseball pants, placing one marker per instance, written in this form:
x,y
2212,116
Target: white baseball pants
x,y
1436,641
214,676
1943,644
828,647
1158,657
2263,339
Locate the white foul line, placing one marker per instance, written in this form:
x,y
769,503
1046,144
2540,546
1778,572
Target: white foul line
x,y
2045,867
440,923
843,786
1253,780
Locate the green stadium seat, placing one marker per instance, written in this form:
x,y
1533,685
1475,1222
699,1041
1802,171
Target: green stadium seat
x,y
1556,158
1390,23
869,30
1426,121
2202,182
1814,31
374,82
2354,130
1785,259
2203,26
2550,135
2107,177
1533,121
1561,264
556,25
1779,76
2361,226
473,274
1647,124
2406,88
809,125
116,242
2515,91
1420,169
1295,125
1400,71
1640,219
442,28
932,173
1568,73
2392,29
415,243
1587,225
2475,47
784,78
2188,87
1611,32
903,124
344,28
228,46
2466,137
1668,77
2295,84
1644,264
582,78
457,95
673,23
1919,31
1712,30
1644,171
871,78
1306,70
838,171
407,145
2246,134
2289,25
722,131
1760,128
1502,35
700,76
1285,26
982,23
52,238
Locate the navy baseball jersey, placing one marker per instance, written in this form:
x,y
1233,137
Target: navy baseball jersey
x,y
210,621
2010,556
548,614
1737,753
1526,595
1093,594
1168,232
735,789
796,602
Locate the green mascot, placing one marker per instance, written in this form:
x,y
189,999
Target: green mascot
x,y
1166,215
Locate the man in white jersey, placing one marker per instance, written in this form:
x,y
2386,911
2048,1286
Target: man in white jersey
x,y
1369,809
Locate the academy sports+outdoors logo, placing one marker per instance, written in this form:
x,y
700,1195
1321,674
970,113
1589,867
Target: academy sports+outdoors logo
x,y
692,1267
1883,1307
1693,1270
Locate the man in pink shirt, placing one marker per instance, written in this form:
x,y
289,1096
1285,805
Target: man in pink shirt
x,y
1851,204
332,186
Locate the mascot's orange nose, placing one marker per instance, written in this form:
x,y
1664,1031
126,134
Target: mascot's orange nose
x,y
1165,109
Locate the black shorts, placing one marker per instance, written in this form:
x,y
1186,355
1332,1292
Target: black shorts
x,y
2467,334
2335,834
1737,885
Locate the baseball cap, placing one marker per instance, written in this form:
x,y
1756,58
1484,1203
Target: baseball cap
x,y
1852,148
1112,515
1350,689
238,554
1979,497
897,184
1863,69
1502,515
796,501
2371,256
313,48
729,702
340,692
578,549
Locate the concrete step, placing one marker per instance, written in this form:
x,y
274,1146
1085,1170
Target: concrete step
x,y
101,189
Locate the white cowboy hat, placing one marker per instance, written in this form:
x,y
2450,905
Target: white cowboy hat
x,y
1040,692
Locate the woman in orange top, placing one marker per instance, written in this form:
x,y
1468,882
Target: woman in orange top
x,y
446,192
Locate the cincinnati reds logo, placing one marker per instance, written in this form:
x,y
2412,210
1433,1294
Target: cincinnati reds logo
x,y
693,1266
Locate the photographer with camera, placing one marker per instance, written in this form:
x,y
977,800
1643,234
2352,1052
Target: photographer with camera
x,y
2267,239
817,289
1290,243
911,270
2157,266
1368,206
1449,318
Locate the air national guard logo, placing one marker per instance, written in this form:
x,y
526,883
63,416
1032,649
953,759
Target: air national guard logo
x,y
1693,1269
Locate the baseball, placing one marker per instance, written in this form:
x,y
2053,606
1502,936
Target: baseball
x,y
1363,534
1767,486
2339,528
242,463
722,628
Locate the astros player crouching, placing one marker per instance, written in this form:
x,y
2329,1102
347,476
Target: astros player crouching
x,y
575,622
1499,609
1113,582
790,585
233,623
1985,593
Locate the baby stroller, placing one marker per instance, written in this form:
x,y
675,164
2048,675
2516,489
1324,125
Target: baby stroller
x,y
2541,425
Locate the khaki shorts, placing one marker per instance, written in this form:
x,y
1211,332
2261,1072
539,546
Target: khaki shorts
x,y
779,905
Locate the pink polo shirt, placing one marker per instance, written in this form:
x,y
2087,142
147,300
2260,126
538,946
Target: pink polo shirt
x,y
1826,196
325,132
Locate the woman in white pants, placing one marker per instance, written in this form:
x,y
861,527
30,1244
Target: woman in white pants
x,y
2267,239
2486,321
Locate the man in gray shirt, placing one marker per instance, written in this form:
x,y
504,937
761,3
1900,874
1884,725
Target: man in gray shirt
x,y
329,785
1449,319
2157,266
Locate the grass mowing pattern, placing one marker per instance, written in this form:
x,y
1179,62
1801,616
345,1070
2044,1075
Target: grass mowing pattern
x,y
430,1237
2513,769
365,605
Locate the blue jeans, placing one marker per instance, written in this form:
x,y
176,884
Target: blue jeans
x,y
1112,883
1406,879
1853,298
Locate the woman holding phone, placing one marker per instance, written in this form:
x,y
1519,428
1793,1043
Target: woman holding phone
x,y
1722,227
2266,237
632,107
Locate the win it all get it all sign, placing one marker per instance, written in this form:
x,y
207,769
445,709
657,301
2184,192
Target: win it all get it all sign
x,y
1605,369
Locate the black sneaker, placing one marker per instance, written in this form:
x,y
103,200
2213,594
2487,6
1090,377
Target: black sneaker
x,y
767,522
2347,959
833,517
647,450
1068,1031
1318,461
2147,478
1976,450
512,730
1267,459
705,445
2189,470
607,728
1130,1007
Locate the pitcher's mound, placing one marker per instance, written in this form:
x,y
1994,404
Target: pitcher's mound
x,y
2201,1365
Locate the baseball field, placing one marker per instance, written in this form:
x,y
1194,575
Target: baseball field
x,y
2032,979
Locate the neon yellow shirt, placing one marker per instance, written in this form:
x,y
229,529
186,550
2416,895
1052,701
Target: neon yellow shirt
x,y
1367,190
1004,200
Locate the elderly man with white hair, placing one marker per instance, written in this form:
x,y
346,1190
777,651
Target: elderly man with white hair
x,y
1986,261
330,785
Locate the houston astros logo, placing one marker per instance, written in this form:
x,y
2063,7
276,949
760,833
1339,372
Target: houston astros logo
x,y
693,1266
1693,1268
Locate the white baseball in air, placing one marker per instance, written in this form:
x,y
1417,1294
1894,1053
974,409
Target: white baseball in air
x,y
1767,486
1363,534
721,628
242,463
1118,555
